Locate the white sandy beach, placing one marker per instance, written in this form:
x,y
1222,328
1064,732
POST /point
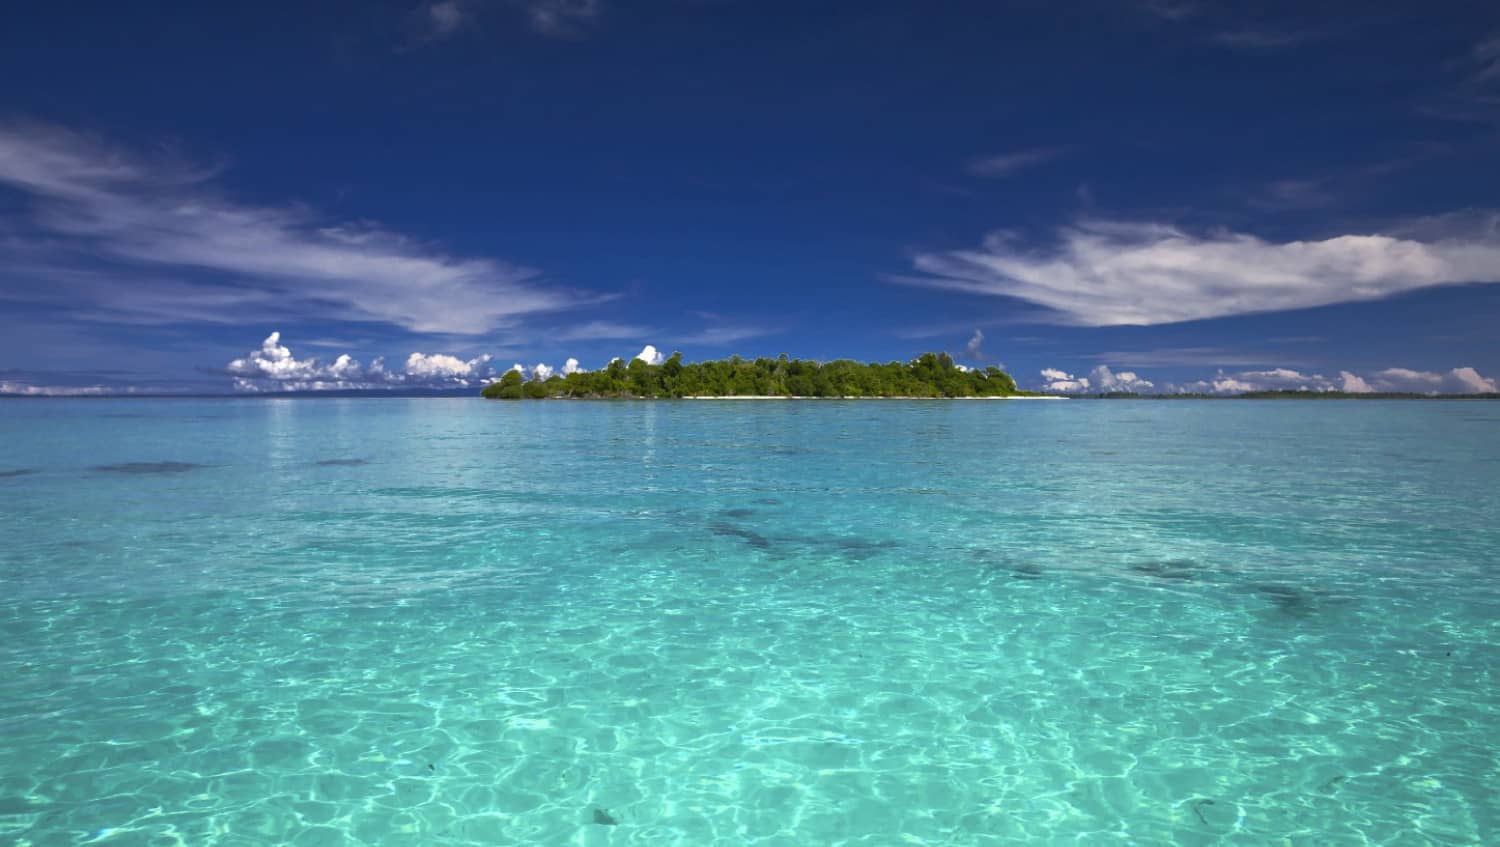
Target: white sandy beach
x,y
782,397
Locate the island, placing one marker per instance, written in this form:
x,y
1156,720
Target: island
x,y
931,375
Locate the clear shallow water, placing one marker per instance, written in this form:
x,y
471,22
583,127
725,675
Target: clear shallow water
x,y
456,622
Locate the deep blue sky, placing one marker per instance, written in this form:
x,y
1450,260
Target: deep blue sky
x,y
1198,193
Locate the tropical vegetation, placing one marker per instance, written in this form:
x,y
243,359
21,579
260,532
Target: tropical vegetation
x,y
929,375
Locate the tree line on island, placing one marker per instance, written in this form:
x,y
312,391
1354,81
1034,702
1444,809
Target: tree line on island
x,y
928,375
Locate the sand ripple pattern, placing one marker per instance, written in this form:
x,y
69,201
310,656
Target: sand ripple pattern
x,y
750,624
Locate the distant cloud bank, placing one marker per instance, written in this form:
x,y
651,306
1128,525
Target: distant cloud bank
x,y
1101,380
274,367
11,388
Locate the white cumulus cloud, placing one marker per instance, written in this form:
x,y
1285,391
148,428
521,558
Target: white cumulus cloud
x,y
1101,379
1062,381
571,367
973,349
275,368
1103,273
1224,385
1353,384
276,362
1125,381
1464,380
442,365
1273,379
650,355
1470,381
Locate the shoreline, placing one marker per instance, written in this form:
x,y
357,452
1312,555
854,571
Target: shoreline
x,y
805,397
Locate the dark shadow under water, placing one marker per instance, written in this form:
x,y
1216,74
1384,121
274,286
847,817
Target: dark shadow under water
x,y
847,547
992,562
138,468
1178,570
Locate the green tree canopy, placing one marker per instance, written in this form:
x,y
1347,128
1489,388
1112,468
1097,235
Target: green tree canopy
x,y
929,375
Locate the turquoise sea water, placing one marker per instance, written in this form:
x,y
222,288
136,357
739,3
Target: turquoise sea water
x,y
428,622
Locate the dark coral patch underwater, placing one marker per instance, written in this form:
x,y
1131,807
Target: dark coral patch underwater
x,y
140,468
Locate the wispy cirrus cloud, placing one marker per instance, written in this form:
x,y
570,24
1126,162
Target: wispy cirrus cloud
x,y
443,19
1292,194
1333,186
1173,10
718,335
1486,57
713,334
602,330
440,20
136,296
173,245
1002,165
1262,39
1473,94
1227,26
1108,273
447,16
1175,356
562,18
